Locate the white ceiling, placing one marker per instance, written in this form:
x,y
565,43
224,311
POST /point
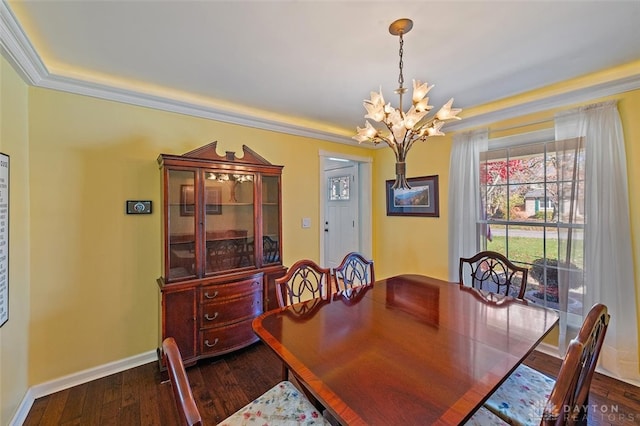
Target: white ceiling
x,y
310,64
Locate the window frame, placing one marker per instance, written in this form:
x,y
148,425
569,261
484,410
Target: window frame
x,y
544,136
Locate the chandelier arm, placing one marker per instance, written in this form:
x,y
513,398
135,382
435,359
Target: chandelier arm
x,y
426,122
393,146
413,141
402,140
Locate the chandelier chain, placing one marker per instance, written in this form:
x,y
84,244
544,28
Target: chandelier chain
x,y
401,77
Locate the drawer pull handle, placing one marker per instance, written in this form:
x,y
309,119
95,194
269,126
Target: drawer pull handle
x,y
208,318
206,343
206,294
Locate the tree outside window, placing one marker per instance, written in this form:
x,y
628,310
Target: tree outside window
x,y
533,203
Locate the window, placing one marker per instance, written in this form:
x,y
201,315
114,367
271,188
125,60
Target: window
x,y
339,188
533,207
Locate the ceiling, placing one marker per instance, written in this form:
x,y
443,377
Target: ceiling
x,y
308,65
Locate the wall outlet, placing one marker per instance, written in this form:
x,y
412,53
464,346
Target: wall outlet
x,y
306,222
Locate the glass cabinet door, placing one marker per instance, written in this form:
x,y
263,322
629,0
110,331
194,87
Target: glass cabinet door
x,y
270,219
228,220
181,224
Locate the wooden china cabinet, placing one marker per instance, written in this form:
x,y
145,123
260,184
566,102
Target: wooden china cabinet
x,y
222,251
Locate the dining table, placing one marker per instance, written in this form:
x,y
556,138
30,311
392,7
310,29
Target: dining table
x,y
406,350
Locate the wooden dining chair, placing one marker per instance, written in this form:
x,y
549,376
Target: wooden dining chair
x,y
303,281
282,404
528,397
492,271
354,270
186,404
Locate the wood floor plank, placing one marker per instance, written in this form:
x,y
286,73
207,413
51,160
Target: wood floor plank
x,y
92,408
262,369
167,408
225,393
109,414
112,388
75,401
222,385
131,386
36,412
149,403
129,414
53,413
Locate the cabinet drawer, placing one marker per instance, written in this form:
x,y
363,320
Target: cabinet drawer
x,y
226,339
215,292
227,311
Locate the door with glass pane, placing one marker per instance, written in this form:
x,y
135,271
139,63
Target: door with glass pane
x,y
342,215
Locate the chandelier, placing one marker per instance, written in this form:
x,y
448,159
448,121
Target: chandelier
x,y
404,128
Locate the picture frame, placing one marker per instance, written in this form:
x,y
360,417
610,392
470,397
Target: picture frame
x,y
213,200
421,200
4,238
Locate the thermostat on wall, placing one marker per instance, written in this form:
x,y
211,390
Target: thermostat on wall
x,y
138,207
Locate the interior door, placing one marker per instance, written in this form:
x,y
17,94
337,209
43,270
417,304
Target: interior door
x,y
341,227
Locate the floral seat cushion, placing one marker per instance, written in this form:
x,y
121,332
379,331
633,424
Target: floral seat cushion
x,y
521,399
484,417
282,405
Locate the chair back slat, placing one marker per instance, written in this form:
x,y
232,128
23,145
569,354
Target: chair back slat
x,y
303,281
354,270
493,272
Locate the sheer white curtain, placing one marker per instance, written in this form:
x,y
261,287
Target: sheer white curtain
x,y
464,196
608,261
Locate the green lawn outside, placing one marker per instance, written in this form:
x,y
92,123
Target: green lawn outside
x,y
526,250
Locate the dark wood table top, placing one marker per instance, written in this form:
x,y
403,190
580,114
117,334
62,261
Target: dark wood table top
x,y
409,350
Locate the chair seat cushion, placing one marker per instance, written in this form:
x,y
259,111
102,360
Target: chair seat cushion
x,y
282,405
484,417
521,399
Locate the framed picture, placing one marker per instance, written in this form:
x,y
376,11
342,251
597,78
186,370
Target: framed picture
x,y
421,200
4,238
213,197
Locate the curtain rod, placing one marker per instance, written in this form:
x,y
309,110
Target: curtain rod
x,y
531,123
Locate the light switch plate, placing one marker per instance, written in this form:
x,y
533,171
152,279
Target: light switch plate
x,y
306,222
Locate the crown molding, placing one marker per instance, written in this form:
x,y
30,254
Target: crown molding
x,y
18,50
565,99
113,93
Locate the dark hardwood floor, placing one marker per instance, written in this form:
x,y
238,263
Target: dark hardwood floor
x,y
136,396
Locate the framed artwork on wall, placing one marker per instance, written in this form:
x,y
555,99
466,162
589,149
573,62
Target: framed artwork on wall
x,y
4,238
421,200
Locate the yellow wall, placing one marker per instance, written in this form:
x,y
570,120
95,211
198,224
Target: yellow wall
x,y
83,273
14,337
412,244
93,292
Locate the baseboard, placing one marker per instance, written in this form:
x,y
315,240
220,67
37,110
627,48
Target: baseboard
x,y
75,379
